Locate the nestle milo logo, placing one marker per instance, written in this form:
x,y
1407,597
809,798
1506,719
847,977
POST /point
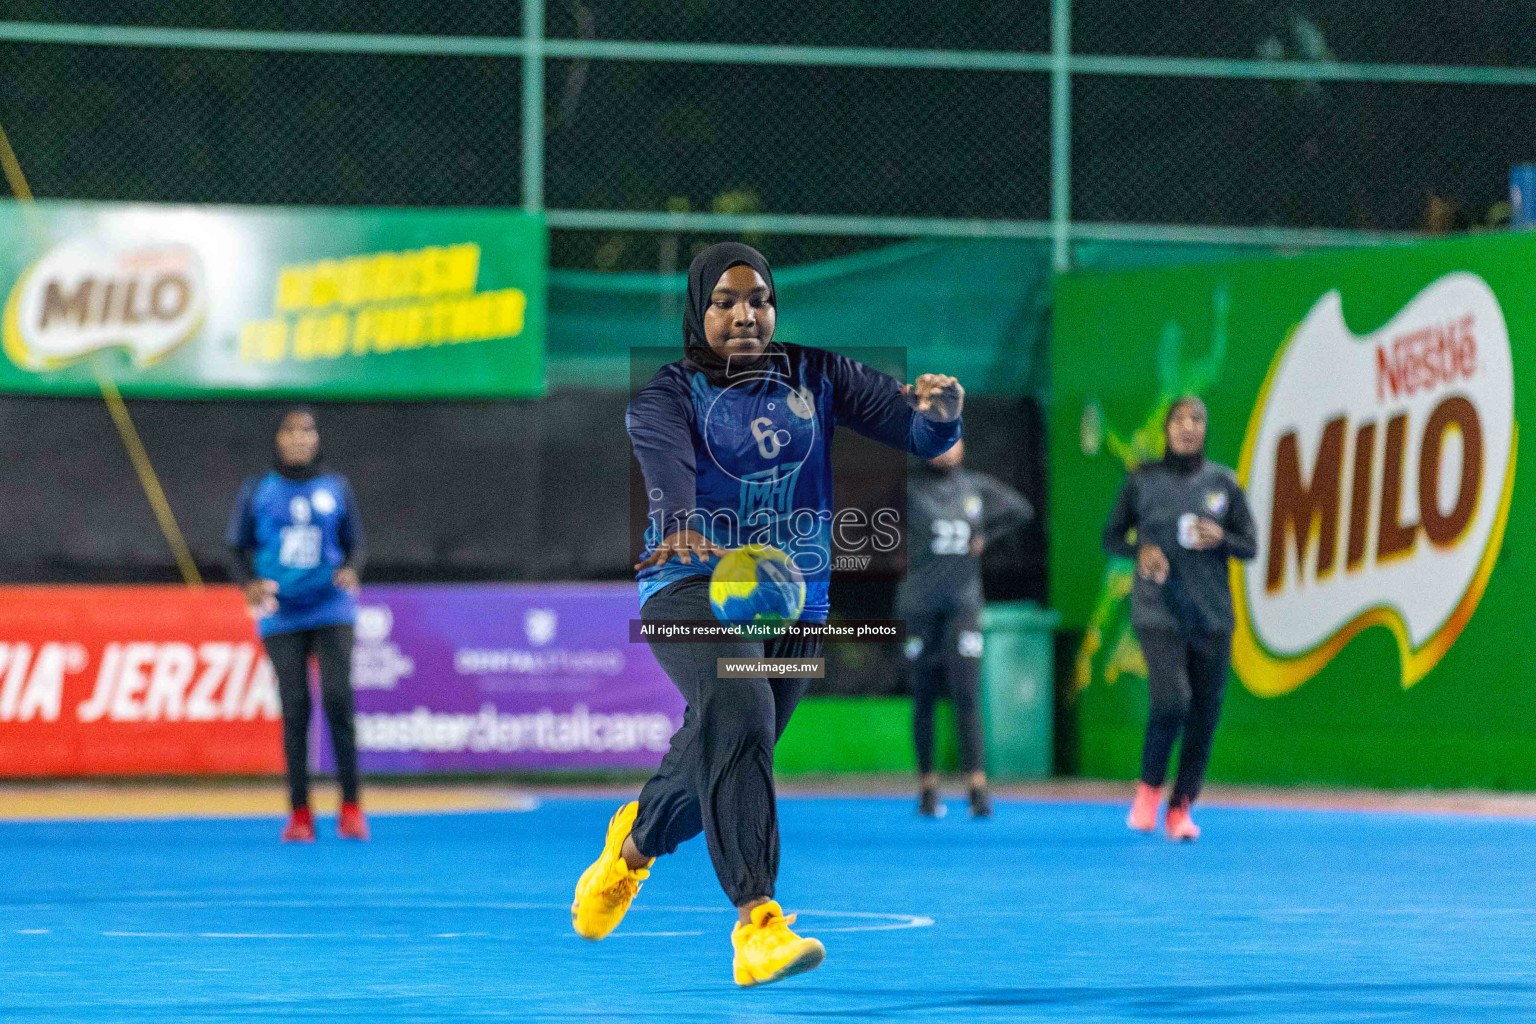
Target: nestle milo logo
x,y
88,295
1380,469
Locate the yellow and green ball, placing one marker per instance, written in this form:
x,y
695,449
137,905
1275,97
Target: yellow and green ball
x,y
756,583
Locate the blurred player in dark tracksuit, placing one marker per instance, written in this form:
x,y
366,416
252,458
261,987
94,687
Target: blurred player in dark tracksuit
x,y
952,514
735,442
297,546
1181,519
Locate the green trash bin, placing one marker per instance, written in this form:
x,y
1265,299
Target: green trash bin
x,y
1017,688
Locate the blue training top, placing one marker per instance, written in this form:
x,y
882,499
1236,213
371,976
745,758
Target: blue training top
x,y
751,462
299,532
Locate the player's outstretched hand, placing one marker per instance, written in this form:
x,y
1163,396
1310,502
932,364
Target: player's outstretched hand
x,y
937,396
261,597
346,579
685,544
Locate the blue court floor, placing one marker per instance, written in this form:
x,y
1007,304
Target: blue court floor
x,y
1049,912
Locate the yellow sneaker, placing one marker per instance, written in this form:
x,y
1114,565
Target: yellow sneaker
x,y
766,950
607,887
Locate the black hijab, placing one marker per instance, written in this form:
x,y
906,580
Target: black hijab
x,y
1182,465
310,469
703,274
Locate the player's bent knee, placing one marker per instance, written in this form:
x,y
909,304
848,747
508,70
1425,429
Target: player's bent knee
x,y
743,716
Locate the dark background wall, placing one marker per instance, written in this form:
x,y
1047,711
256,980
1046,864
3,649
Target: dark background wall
x,y
532,490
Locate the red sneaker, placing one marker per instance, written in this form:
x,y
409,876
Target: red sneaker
x,y
300,827
1181,828
1143,816
351,824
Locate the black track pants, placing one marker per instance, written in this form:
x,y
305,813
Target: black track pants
x,y
717,778
332,648
944,647
1187,680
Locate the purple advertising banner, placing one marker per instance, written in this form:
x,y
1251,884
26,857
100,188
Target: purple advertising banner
x,y
495,677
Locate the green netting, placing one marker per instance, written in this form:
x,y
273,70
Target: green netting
x,y
761,139
1249,152
972,309
975,309
622,135
980,24
435,17
1498,33
183,126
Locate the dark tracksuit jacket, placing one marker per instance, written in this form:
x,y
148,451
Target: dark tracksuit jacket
x,y
1197,598
945,510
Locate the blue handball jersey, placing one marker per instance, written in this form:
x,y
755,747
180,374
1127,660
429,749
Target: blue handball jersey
x,y
751,462
299,533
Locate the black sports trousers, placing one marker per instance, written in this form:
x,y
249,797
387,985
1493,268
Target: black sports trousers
x,y
1187,679
290,652
944,647
717,778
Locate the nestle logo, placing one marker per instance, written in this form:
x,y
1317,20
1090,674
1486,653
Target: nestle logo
x,y
1425,358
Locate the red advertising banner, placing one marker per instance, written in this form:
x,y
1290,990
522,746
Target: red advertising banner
x,y
132,681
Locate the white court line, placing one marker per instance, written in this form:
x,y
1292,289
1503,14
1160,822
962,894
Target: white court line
x,y
300,935
645,935
898,920
146,935
255,935
915,921
880,921
31,931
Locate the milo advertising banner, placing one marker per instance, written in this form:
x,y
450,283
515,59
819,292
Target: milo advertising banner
x,y
1370,403
173,301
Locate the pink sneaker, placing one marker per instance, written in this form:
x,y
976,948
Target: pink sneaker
x,y
1181,828
351,824
300,827
1143,816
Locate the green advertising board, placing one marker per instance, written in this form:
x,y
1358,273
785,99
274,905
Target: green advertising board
x,y
1369,401
183,301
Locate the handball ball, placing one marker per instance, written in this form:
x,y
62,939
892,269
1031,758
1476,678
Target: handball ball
x,y
757,583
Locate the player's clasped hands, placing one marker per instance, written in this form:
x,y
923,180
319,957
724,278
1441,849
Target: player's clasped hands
x,y
685,544
1207,534
937,396
1152,563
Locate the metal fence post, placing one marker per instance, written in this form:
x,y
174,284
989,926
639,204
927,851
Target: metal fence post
x,y
1061,134
533,106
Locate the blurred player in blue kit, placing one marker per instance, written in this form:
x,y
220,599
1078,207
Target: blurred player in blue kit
x,y
296,542
734,442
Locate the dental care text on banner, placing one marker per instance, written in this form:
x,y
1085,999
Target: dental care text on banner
x,y
467,678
